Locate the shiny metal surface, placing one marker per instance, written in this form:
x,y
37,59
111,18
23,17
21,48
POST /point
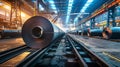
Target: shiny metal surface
x,y
38,32
111,33
10,33
95,32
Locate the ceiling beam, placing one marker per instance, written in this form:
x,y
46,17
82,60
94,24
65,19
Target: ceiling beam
x,y
101,10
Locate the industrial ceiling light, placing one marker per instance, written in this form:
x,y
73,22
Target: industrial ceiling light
x,y
51,1
69,10
83,9
52,4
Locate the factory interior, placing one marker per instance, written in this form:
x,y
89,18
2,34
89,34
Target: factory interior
x,y
59,33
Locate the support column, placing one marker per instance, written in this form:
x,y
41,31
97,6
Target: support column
x,y
92,25
15,14
111,16
108,19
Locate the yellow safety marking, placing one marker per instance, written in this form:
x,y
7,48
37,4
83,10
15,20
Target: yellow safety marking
x,y
111,56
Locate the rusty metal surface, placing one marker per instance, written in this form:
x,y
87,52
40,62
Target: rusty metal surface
x,y
49,32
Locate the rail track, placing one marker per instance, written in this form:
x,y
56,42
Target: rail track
x,y
86,57
32,59
63,53
11,53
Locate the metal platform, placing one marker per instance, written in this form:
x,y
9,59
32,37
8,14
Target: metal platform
x,y
108,50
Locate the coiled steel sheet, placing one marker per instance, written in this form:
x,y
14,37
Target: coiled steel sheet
x,y
111,33
38,32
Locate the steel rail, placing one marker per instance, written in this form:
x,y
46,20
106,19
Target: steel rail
x,y
93,59
8,54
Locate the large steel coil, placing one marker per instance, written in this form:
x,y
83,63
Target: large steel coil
x,y
10,33
95,32
38,32
111,33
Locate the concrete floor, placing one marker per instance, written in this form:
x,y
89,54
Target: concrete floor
x,y
107,50
6,44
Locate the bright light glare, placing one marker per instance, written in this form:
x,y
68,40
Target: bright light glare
x,y
84,8
88,23
7,7
73,28
52,2
52,5
76,19
55,11
41,8
90,1
23,14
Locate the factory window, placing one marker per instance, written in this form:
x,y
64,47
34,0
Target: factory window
x,y
117,16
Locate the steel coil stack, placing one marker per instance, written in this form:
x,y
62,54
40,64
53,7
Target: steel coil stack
x,y
38,32
111,33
